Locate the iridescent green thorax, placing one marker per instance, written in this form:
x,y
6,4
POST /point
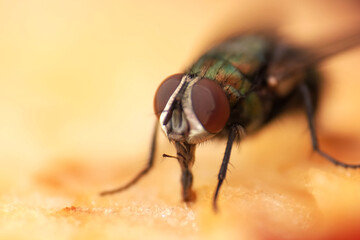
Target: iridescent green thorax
x,y
235,65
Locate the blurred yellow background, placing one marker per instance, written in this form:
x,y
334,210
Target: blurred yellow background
x,y
77,80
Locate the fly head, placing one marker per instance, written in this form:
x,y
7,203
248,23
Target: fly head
x,y
191,109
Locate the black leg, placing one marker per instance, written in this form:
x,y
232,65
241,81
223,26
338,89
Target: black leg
x,y
310,117
142,172
224,165
185,156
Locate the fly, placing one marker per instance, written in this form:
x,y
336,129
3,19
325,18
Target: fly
x,y
237,86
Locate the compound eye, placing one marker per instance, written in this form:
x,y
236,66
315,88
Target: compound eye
x,y
210,105
164,92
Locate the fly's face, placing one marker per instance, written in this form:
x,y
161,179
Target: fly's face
x,y
191,109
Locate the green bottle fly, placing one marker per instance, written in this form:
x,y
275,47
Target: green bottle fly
x,y
235,88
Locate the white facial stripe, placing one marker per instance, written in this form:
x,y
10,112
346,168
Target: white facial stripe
x,y
168,104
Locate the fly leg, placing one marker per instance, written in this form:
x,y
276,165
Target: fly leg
x,y
143,172
305,92
185,156
223,169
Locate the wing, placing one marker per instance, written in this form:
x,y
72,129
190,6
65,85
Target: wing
x,y
287,64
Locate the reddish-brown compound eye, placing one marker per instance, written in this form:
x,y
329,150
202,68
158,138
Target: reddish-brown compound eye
x,y
210,105
164,92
